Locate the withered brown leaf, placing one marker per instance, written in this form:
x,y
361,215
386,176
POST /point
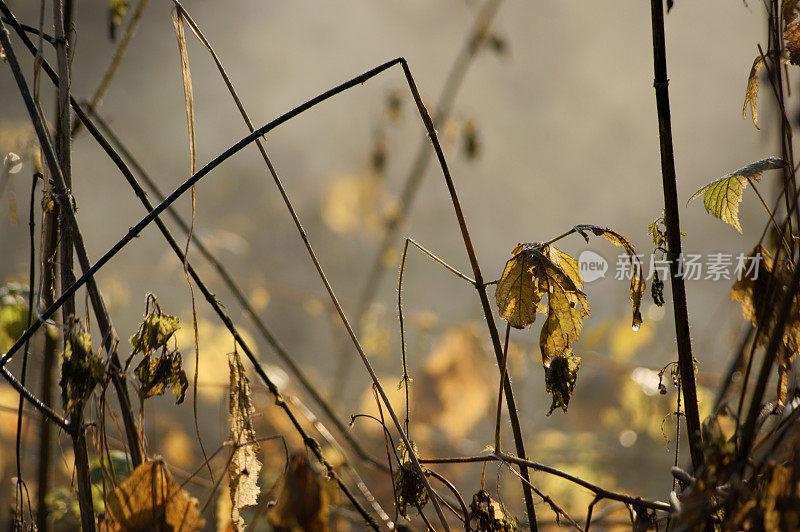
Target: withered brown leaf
x,y
149,499
560,377
303,502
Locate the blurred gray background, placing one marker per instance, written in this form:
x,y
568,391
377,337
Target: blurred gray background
x,y
568,133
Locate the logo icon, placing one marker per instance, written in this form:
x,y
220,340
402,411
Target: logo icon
x,y
592,265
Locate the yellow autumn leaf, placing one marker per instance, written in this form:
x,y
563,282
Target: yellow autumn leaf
x,y
244,466
149,499
722,196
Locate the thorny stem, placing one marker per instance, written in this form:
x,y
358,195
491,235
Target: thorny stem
x,y
672,221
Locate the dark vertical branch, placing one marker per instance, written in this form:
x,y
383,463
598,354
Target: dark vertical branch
x,y
685,359
63,145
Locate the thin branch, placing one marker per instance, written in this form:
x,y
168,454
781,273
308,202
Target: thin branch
x,y
536,466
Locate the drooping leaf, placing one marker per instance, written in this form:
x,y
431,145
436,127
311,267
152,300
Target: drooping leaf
x,y
154,332
566,308
303,502
81,370
722,196
534,271
116,12
560,377
518,293
751,94
637,279
244,466
490,515
409,485
157,373
149,499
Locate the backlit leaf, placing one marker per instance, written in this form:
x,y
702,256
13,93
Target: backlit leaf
x,y
518,293
303,502
244,467
722,196
149,499
560,377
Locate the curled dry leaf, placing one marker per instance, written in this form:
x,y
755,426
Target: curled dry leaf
x,y
149,499
762,283
154,332
156,374
244,466
722,196
490,515
409,485
303,502
751,94
637,279
81,370
559,378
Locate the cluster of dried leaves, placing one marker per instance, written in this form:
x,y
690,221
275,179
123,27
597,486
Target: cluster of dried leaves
x,y
539,278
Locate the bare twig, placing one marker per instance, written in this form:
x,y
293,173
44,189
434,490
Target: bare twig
x,y
536,466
